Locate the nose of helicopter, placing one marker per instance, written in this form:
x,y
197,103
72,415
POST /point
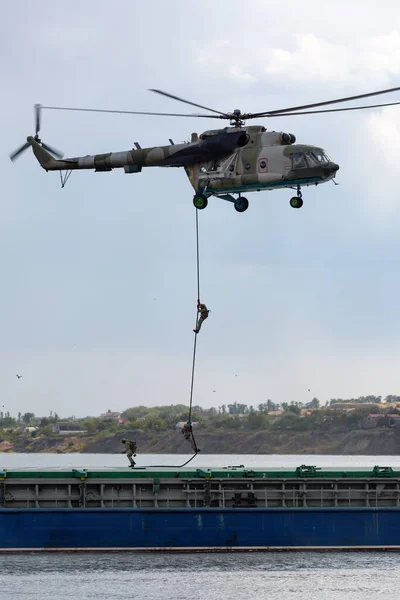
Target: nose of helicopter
x,y
330,169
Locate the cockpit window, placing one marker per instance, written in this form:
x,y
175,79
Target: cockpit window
x,y
313,158
320,156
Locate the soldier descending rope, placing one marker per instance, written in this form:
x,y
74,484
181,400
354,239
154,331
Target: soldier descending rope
x,y
188,435
203,311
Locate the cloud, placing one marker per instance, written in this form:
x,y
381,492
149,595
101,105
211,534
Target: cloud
x,y
222,54
313,59
376,145
383,127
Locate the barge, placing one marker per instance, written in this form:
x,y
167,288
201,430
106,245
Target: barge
x,y
199,509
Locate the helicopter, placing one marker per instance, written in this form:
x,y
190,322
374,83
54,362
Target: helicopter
x,y
224,163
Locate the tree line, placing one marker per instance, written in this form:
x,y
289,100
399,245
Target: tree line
x,y
267,415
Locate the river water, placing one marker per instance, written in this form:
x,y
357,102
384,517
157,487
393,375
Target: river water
x,y
222,576
16,461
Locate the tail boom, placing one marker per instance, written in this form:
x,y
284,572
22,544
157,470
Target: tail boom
x,y
174,155
147,157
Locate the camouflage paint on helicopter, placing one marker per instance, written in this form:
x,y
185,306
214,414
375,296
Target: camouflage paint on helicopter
x,y
219,162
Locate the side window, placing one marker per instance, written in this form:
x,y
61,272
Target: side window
x,y
263,165
299,161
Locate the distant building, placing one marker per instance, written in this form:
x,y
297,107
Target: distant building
x,y
111,415
71,428
381,420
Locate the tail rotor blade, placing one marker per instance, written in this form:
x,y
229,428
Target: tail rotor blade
x,y
38,112
38,108
54,151
19,151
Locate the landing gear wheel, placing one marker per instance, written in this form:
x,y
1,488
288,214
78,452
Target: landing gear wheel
x,y
200,201
241,204
296,202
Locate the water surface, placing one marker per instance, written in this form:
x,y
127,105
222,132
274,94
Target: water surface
x,y
222,576
10,461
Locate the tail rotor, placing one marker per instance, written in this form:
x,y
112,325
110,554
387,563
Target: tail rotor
x,y
38,113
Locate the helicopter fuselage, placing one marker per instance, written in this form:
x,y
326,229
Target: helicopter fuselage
x,y
267,161
233,160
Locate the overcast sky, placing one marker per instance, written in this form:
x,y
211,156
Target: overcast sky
x,y
98,281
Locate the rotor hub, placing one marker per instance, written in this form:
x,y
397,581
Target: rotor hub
x,y
236,118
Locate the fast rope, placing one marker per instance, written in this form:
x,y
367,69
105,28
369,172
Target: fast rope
x,y
196,450
195,335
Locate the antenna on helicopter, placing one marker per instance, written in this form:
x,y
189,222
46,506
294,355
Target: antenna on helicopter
x,y
14,155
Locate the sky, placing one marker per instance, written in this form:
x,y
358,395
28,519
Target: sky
x,y
98,279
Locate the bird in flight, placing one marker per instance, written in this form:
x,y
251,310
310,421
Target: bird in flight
x,y
18,376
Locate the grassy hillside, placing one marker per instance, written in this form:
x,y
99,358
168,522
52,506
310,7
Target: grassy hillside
x,y
377,441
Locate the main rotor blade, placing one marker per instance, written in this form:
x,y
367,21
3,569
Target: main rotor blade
x,y
131,112
315,104
14,155
329,110
187,102
54,151
37,117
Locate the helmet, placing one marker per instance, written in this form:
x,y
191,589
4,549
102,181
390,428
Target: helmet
x,y
123,441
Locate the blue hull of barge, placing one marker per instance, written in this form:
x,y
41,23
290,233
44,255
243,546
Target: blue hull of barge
x,y
199,529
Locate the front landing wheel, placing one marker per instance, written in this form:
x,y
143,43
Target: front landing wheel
x,y
241,204
296,202
200,201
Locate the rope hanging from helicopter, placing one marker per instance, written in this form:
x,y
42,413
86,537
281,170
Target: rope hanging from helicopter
x,y
188,428
196,450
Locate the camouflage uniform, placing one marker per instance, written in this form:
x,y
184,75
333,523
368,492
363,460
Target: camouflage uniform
x,y
187,433
130,450
203,310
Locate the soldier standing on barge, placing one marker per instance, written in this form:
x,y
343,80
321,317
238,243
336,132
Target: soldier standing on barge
x,y
130,450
